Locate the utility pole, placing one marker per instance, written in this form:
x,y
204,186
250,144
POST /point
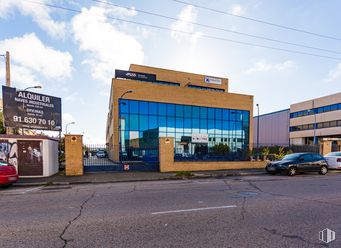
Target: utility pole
x,y
8,70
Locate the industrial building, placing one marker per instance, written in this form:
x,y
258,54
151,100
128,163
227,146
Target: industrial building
x,y
196,111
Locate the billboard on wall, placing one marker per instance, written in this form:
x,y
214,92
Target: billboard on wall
x,y
25,109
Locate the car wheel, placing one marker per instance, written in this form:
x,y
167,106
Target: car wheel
x,y
323,170
292,171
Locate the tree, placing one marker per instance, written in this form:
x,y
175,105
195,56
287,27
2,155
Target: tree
x,y
220,149
2,128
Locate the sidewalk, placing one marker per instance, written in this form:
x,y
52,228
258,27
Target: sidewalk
x,y
114,177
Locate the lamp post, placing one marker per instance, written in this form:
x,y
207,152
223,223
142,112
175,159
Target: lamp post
x,y
119,121
257,105
70,123
33,87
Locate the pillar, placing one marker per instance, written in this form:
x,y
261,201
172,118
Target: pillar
x,y
74,155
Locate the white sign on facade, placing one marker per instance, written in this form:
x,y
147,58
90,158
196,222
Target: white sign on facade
x,y
212,80
199,138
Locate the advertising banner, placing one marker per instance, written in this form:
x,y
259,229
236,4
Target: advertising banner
x,y
25,109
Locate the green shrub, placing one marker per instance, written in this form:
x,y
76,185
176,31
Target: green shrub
x,y
220,149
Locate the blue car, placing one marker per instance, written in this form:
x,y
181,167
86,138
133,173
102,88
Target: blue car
x,y
291,164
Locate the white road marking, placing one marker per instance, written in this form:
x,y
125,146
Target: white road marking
x,y
193,209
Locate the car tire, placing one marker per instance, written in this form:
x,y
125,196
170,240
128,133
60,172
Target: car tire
x,y
292,171
323,170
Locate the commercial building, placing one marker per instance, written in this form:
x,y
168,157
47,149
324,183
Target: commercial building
x,y
319,118
273,129
197,111
305,123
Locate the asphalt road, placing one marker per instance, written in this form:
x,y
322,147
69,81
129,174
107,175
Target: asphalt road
x,y
259,211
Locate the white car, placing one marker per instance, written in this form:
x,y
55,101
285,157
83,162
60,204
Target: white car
x,y
333,160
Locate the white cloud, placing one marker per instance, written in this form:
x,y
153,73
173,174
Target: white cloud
x,y
334,74
237,9
31,59
106,45
187,15
263,66
39,13
67,118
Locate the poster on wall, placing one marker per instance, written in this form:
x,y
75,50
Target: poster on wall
x,y
8,152
25,109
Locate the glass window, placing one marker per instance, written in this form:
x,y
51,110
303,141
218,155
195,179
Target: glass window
x,y
179,123
203,112
134,107
153,122
246,116
188,125
124,122
195,112
134,122
333,107
170,109
162,109
195,125
218,113
226,114
152,108
170,124
188,111
211,126
210,113
162,123
203,123
143,108
143,122
179,110
326,108
124,106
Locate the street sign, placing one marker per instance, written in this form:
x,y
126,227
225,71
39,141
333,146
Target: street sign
x,y
25,109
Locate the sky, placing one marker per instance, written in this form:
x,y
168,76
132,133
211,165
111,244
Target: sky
x,y
72,51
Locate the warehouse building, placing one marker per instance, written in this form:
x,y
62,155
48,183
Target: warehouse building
x,y
196,111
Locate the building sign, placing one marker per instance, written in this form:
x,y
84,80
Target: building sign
x,y
212,80
199,138
135,75
26,109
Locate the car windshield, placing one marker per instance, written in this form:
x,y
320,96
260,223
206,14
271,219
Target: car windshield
x,y
334,154
291,156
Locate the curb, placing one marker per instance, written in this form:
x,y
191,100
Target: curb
x,y
196,176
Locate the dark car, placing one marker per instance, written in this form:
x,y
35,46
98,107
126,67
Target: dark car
x,y
299,162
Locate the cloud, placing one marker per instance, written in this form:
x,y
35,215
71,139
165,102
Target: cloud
x,y
334,74
106,45
263,66
237,9
67,118
31,59
39,13
187,15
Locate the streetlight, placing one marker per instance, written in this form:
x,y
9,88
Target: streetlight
x,y
70,123
257,105
33,87
119,121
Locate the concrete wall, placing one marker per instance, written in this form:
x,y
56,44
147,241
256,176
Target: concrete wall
x,y
146,91
273,128
167,163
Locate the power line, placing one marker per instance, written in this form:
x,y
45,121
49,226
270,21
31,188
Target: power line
x,y
259,21
218,28
189,33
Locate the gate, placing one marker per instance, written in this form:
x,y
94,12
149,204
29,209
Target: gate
x,y
96,159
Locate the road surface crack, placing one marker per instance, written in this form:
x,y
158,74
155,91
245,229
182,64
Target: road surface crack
x,y
243,209
81,207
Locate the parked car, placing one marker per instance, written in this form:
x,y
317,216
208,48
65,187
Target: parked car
x,y
299,162
8,174
333,160
101,154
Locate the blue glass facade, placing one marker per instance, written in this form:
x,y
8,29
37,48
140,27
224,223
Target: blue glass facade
x,y
142,123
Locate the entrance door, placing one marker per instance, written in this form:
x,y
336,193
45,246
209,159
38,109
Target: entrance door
x,y
30,159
